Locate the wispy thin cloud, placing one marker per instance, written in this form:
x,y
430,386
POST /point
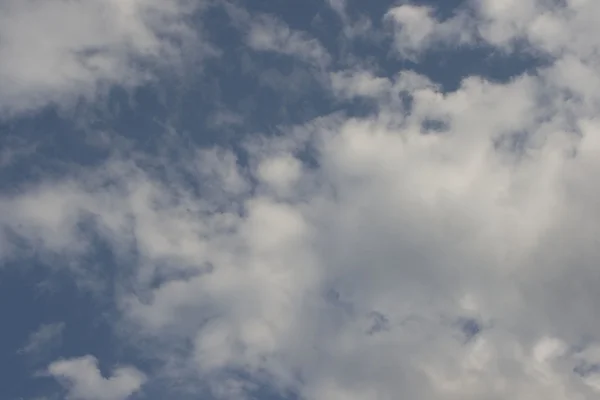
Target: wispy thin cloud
x,y
44,340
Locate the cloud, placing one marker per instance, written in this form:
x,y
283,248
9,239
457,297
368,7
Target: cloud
x,y
539,27
423,230
358,83
44,339
359,28
55,52
416,30
441,245
266,33
83,381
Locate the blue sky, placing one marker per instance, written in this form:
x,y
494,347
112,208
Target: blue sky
x,y
319,199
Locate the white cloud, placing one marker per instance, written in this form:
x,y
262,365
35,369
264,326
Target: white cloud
x,y
422,229
503,21
83,380
351,275
554,28
281,173
57,51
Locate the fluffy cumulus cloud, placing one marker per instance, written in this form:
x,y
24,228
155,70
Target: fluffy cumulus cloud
x,y
440,245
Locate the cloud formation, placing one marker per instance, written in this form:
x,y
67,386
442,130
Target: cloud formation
x,y
269,34
57,52
440,245
83,381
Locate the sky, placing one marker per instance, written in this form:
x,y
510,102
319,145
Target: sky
x,y
299,200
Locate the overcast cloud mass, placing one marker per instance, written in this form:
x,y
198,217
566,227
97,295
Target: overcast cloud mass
x,y
299,200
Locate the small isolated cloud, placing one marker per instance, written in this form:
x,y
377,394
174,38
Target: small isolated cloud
x,y
45,339
82,379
